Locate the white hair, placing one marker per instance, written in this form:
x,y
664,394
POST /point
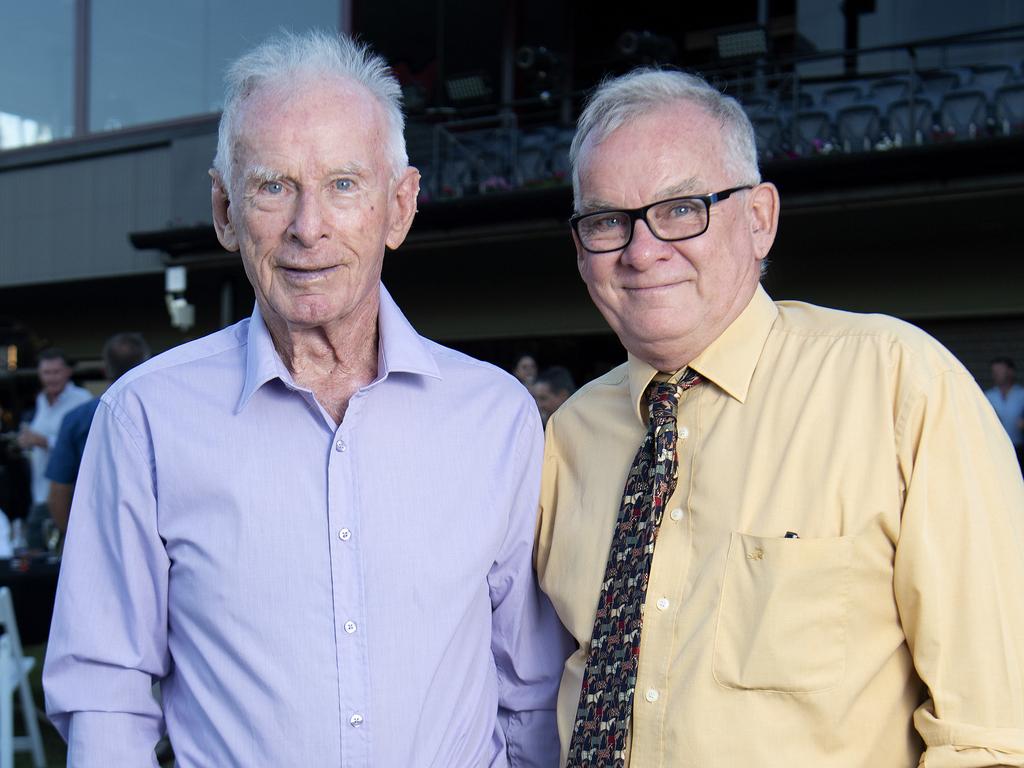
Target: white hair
x,y
620,100
313,54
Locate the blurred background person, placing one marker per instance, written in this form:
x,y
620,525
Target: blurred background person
x,y
525,369
552,388
1007,397
59,395
121,353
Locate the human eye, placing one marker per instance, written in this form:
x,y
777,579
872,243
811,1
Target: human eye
x,y
344,185
683,207
273,187
603,223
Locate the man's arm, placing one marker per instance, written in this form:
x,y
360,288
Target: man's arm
x,y
108,640
29,438
62,471
959,575
528,641
59,502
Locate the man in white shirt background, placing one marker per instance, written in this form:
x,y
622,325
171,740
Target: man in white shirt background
x,y
57,396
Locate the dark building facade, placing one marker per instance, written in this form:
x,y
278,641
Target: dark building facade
x,y
895,135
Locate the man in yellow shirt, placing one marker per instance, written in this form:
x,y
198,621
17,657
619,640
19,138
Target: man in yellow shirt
x,y
819,559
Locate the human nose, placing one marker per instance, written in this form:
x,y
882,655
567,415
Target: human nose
x,y
307,225
644,248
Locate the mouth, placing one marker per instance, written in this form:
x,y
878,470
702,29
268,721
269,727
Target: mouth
x,y
641,290
307,274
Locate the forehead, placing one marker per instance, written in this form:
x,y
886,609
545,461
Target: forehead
x,y
673,146
52,364
324,121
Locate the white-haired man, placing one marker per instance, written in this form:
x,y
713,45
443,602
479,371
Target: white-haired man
x,y
819,553
300,525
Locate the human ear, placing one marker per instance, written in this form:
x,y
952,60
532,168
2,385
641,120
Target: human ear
x,y
764,217
221,205
403,210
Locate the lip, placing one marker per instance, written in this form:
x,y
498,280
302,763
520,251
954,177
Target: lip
x,y
306,274
650,289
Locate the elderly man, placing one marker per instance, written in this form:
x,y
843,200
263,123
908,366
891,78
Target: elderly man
x,y
299,525
818,556
57,397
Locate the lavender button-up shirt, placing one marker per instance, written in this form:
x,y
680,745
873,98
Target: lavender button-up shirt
x,y
308,594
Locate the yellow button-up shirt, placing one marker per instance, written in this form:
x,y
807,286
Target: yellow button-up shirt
x,y
889,631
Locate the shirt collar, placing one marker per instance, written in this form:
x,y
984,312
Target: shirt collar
x,y
729,361
400,349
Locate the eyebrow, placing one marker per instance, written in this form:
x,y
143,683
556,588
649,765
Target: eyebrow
x,y
685,187
261,174
349,169
682,189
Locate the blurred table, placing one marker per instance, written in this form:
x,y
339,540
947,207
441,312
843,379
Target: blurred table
x,y
33,584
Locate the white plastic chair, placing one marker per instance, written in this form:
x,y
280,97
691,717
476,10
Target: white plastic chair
x,y
14,669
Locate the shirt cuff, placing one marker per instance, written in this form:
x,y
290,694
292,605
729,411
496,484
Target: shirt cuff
x,y
107,739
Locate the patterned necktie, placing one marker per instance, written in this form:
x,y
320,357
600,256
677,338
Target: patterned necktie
x,y
606,699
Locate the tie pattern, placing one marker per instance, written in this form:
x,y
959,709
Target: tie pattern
x,y
609,681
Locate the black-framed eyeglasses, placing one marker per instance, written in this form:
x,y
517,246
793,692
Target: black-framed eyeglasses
x,y
678,218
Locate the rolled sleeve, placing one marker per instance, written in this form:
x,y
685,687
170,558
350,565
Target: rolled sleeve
x,y
528,641
108,639
958,573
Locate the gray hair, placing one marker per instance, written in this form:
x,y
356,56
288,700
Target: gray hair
x,y
314,54
620,100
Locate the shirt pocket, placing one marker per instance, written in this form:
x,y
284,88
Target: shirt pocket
x,y
782,614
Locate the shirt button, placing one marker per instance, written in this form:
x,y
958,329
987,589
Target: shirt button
x,y
350,627
344,534
662,603
340,446
676,514
651,695
683,432
356,720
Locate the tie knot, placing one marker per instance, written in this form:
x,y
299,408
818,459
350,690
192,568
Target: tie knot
x,y
663,396
662,401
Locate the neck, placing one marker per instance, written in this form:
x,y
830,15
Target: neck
x,y
674,354
334,362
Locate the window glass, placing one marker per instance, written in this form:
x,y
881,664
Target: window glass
x,y
36,80
155,61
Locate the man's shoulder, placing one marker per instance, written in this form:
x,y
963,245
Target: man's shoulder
x,y
597,399
607,383
81,415
467,371
188,359
78,395
892,338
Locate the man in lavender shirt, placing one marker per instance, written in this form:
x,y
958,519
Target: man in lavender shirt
x,y
313,528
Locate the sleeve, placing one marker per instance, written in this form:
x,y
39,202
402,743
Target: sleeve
x,y
959,575
108,639
528,641
62,466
